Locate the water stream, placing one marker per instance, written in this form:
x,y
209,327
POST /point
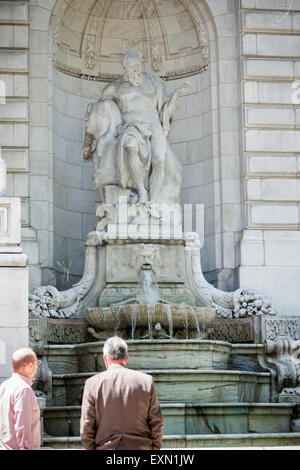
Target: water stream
x,y
149,291
117,325
133,313
186,324
149,312
196,322
169,315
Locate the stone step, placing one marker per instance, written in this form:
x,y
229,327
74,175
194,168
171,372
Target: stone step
x,y
199,418
183,385
199,441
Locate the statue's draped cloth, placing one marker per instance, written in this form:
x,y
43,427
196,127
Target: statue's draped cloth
x,y
142,134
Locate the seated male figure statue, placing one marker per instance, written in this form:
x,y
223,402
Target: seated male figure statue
x,y
144,158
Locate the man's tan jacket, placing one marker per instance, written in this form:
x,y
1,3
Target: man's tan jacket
x,y
120,410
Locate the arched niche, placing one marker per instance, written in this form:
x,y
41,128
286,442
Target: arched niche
x,y
82,65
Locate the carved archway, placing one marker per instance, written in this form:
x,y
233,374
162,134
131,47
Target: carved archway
x,y
90,36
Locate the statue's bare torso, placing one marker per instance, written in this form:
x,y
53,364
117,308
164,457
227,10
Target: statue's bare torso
x,y
136,103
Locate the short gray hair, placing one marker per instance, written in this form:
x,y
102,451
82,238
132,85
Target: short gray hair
x,y
115,349
131,55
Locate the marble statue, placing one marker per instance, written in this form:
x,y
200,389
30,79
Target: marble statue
x,y
130,124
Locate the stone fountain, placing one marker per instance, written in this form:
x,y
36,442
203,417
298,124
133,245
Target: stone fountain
x,y
143,281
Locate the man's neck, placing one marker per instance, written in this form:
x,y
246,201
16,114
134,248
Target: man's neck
x,y
121,363
23,376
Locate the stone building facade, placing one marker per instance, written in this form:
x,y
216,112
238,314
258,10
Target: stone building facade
x,y
236,131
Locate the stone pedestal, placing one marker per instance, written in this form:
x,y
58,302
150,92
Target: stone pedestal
x,y
13,285
124,260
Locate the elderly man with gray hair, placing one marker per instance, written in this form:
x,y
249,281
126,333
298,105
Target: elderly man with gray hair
x,y
19,410
120,408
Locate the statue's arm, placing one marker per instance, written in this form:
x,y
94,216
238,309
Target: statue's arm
x,y
172,103
86,151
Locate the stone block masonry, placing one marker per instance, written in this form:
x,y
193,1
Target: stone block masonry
x,y
270,42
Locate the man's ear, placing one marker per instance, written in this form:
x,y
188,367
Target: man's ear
x,y
105,360
126,360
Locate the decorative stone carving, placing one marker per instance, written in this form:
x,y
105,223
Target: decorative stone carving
x,y
232,330
146,254
154,36
65,332
98,16
124,262
108,77
37,332
62,8
281,358
247,303
202,31
47,301
238,304
282,327
99,46
45,330
185,71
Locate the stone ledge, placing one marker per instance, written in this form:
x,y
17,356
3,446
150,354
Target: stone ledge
x,y
10,214
13,260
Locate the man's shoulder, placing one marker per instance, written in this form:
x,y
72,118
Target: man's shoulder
x,y
95,378
142,376
17,386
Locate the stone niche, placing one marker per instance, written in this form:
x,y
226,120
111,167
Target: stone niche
x,y
174,40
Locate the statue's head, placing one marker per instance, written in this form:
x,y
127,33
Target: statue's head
x,y
132,62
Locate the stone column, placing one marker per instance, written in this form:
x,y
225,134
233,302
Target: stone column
x,y
13,285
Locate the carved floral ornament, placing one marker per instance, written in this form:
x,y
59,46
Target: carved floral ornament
x,y
281,358
171,35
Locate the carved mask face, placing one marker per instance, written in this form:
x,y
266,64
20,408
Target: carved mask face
x,y
133,69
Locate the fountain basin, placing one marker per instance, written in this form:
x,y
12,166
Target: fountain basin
x,y
170,317
143,354
161,354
